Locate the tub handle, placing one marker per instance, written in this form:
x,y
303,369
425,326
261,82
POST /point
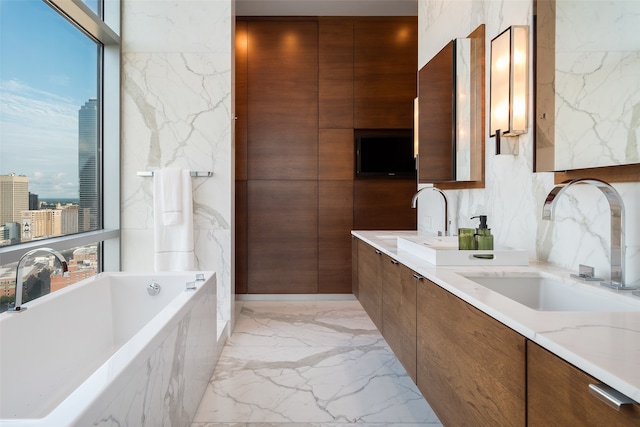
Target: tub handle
x,y
191,286
153,289
199,277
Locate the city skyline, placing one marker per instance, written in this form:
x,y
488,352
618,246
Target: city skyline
x,y
48,72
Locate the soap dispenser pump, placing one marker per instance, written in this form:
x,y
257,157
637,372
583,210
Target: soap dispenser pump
x,y
484,238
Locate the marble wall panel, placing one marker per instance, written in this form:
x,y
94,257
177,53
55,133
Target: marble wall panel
x,y
514,195
177,109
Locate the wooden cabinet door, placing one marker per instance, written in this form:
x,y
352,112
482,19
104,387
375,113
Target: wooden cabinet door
x,y
354,266
335,96
399,312
385,64
384,204
282,75
558,395
241,107
282,237
471,368
335,222
369,281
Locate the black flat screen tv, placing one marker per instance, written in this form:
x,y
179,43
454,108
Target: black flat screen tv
x,y
384,153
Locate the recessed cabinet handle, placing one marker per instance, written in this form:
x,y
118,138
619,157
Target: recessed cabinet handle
x,y
418,277
393,261
610,396
378,252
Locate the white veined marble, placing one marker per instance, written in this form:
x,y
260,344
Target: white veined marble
x,y
312,363
513,195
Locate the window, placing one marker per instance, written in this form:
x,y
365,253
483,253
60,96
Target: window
x,y
57,59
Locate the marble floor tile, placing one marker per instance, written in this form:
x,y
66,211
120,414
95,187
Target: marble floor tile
x,y
309,363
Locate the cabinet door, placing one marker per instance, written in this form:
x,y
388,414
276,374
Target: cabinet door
x,y
471,368
335,96
335,221
241,112
282,237
354,266
385,64
369,282
380,204
558,395
282,93
399,312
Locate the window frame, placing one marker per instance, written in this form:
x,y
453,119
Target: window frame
x,y
105,32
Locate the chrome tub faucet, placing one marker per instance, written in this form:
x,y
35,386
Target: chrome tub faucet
x,y
17,308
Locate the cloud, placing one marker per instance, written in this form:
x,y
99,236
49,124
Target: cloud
x,y
39,138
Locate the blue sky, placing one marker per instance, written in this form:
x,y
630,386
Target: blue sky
x,y
47,72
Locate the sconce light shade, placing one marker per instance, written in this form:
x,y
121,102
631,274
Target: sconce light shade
x,y
416,125
509,82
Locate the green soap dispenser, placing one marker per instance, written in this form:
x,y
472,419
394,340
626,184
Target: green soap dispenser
x,y
484,238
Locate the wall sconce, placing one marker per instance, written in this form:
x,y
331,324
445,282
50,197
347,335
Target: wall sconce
x,y
509,85
416,125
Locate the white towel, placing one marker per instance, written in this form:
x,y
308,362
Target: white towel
x,y
173,220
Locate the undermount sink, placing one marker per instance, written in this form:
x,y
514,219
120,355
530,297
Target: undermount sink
x,y
544,293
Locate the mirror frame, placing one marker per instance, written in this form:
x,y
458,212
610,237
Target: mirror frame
x,y
543,159
477,117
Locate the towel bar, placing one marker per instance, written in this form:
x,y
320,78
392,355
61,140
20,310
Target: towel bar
x,y
198,174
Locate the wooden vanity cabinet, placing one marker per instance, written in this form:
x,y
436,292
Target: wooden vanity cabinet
x,y
399,312
558,395
370,281
471,368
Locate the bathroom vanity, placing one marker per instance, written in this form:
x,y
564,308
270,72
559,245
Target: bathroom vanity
x,y
481,358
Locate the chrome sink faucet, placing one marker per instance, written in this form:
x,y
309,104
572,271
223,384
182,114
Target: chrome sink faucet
x,y
617,224
17,308
414,204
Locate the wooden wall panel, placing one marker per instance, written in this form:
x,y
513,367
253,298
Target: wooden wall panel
x,y
282,236
240,230
380,204
283,97
336,73
241,107
335,223
336,154
385,64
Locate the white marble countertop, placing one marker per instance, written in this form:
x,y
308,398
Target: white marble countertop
x,y
604,345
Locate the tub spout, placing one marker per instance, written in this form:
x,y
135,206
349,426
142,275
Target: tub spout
x,y
617,224
17,308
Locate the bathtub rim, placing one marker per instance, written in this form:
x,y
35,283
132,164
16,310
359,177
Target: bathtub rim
x,y
74,406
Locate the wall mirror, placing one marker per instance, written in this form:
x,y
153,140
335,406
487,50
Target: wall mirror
x,y
450,122
587,104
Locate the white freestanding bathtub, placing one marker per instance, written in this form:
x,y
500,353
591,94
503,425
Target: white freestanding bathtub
x,y
105,352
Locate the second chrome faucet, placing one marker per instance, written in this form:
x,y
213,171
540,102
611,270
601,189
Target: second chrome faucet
x,y
617,225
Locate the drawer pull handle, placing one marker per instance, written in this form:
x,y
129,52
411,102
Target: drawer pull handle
x,y
418,277
393,261
610,396
378,252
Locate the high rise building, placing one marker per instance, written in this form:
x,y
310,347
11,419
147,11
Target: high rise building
x,y
69,219
41,223
33,202
14,197
87,164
